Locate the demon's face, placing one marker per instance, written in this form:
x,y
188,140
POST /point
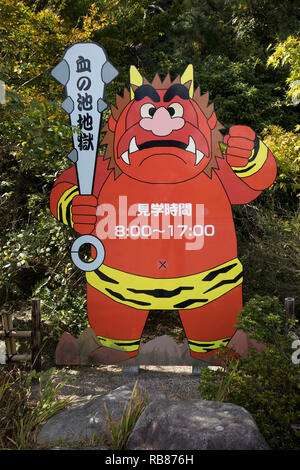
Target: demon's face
x,y
158,139
162,135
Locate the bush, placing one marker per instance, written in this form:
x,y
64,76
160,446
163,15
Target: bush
x,y
285,146
265,383
64,307
269,249
19,416
264,319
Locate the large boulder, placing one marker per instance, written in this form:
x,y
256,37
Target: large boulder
x,y
86,419
195,425
165,424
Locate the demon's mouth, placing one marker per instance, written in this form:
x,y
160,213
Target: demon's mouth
x,y
162,143
190,147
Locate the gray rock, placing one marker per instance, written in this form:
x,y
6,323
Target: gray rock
x,y
195,425
87,418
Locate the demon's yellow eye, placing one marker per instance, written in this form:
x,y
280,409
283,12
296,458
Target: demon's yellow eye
x,y
147,110
175,110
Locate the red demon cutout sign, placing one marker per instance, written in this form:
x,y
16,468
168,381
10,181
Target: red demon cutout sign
x,y
161,205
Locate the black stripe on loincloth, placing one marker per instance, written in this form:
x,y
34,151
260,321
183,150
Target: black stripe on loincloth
x,y
187,303
222,283
161,293
133,343
207,344
121,297
105,278
129,343
210,276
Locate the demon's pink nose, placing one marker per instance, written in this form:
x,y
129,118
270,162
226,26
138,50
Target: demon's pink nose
x,y
162,123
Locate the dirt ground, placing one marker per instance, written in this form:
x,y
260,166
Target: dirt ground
x,y
175,382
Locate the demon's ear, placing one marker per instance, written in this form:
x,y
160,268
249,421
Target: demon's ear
x,y
136,80
188,76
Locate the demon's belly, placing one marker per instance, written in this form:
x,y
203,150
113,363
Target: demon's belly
x,y
165,230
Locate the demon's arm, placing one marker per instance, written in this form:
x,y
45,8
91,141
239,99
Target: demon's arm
x,y
70,208
249,166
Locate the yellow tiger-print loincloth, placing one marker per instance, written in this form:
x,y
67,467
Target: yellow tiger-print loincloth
x,y
199,346
146,293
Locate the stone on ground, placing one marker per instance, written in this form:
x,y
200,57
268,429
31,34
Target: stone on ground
x,y
86,419
195,425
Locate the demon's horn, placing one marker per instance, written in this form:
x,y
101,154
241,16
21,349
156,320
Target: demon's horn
x,y
188,76
135,79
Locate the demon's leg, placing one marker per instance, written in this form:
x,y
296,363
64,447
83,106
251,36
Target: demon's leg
x,y
211,326
117,326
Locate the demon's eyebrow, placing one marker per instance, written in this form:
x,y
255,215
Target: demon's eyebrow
x,y
176,90
146,90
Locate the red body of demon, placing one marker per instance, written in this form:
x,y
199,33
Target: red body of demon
x,y
162,208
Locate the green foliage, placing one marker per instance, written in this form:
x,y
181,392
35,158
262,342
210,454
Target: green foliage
x,y
266,383
265,320
269,249
285,146
64,307
118,431
19,416
243,91
288,53
257,22
29,253
221,387
35,138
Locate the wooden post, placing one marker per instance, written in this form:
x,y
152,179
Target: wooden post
x,y
11,339
36,334
6,329
20,357
289,305
16,334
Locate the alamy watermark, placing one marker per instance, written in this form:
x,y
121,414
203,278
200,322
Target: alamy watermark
x,y
296,354
160,220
